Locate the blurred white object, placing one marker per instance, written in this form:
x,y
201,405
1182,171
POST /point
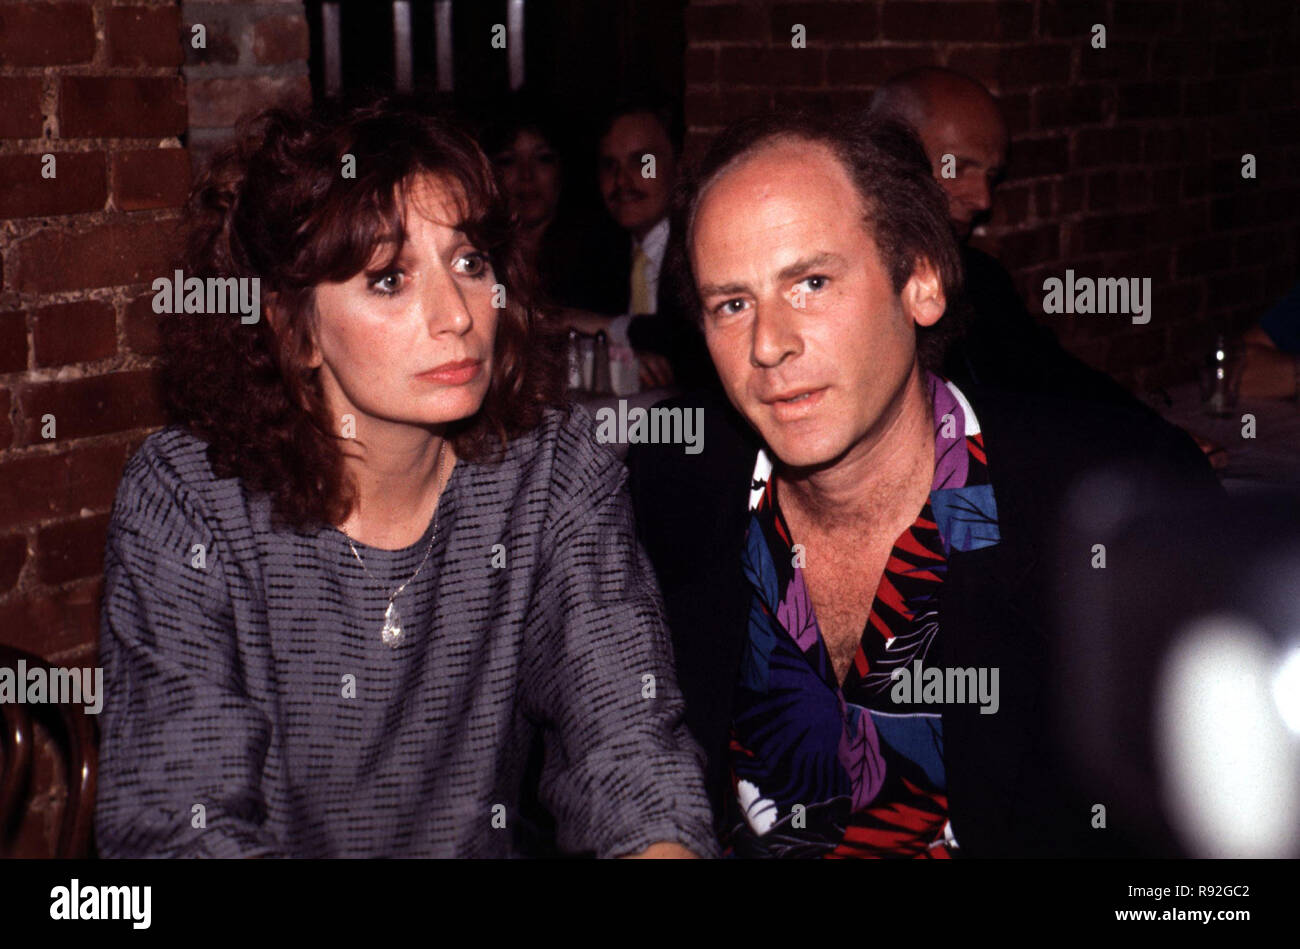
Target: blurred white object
x,y
1286,690
1229,762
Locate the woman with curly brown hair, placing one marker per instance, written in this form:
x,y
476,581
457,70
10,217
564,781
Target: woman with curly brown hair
x,y
377,555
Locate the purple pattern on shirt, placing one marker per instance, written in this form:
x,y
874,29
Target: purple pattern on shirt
x,y
952,461
796,615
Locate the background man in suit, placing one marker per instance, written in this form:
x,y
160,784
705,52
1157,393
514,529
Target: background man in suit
x,y
639,147
854,516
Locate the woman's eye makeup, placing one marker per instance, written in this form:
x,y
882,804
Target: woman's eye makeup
x,y
474,264
386,284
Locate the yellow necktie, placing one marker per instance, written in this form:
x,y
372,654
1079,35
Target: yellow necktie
x,y
641,299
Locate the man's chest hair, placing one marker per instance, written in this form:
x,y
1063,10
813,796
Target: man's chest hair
x,y
842,581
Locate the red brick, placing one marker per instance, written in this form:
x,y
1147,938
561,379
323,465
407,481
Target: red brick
x,y
712,109
221,39
1211,97
1110,146
1260,247
1111,232
1020,67
21,115
13,556
99,405
725,23
1284,127
1033,246
141,326
1181,59
1134,18
79,184
123,249
1232,289
871,67
1073,105
758,66
1239,56
1117,61
1167,187
826,23
1149,100
121,107
696,144
963,21
6,421
1251,210
13,342
74,332
815,100
1187,299
71,550
1172,145
1010,205
58,485
46,34
1015,110
145,36
46,623
1267,91
1074,20
281,39
701,65
151,178
740,102
220,103
1034,157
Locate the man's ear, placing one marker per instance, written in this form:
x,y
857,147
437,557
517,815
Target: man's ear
x,y
275,316
922,295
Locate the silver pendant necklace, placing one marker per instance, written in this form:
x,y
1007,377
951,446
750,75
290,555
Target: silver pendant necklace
x,y
392,631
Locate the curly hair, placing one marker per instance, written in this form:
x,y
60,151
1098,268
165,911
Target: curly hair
x,y
906,211
275,205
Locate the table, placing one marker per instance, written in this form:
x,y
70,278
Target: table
x,y
1272,457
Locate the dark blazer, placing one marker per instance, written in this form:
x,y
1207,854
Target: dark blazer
x,y
1008,788
1003,346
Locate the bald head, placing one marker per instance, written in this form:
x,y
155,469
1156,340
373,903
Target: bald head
x,y
955,116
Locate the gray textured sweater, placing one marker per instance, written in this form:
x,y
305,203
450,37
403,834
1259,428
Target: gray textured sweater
x,y
230,728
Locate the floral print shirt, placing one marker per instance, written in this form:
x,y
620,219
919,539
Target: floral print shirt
x,y
824,769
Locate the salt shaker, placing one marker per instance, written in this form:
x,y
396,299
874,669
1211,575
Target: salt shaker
x,y
574,362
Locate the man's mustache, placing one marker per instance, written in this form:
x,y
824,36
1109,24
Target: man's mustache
x,y
624,195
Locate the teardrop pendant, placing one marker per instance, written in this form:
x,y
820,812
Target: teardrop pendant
x,y
392,632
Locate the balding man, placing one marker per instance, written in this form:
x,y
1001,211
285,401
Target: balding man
x,y
966,140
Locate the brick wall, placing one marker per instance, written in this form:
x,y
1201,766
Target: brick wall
x,y
92,85
1125,161
102,87
256,56
98,87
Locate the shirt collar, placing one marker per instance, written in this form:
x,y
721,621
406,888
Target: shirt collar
x,y
656,241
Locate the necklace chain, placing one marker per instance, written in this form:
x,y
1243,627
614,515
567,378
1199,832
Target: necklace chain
x,y
392,631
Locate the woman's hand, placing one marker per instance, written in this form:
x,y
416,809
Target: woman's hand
x,y
655,371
